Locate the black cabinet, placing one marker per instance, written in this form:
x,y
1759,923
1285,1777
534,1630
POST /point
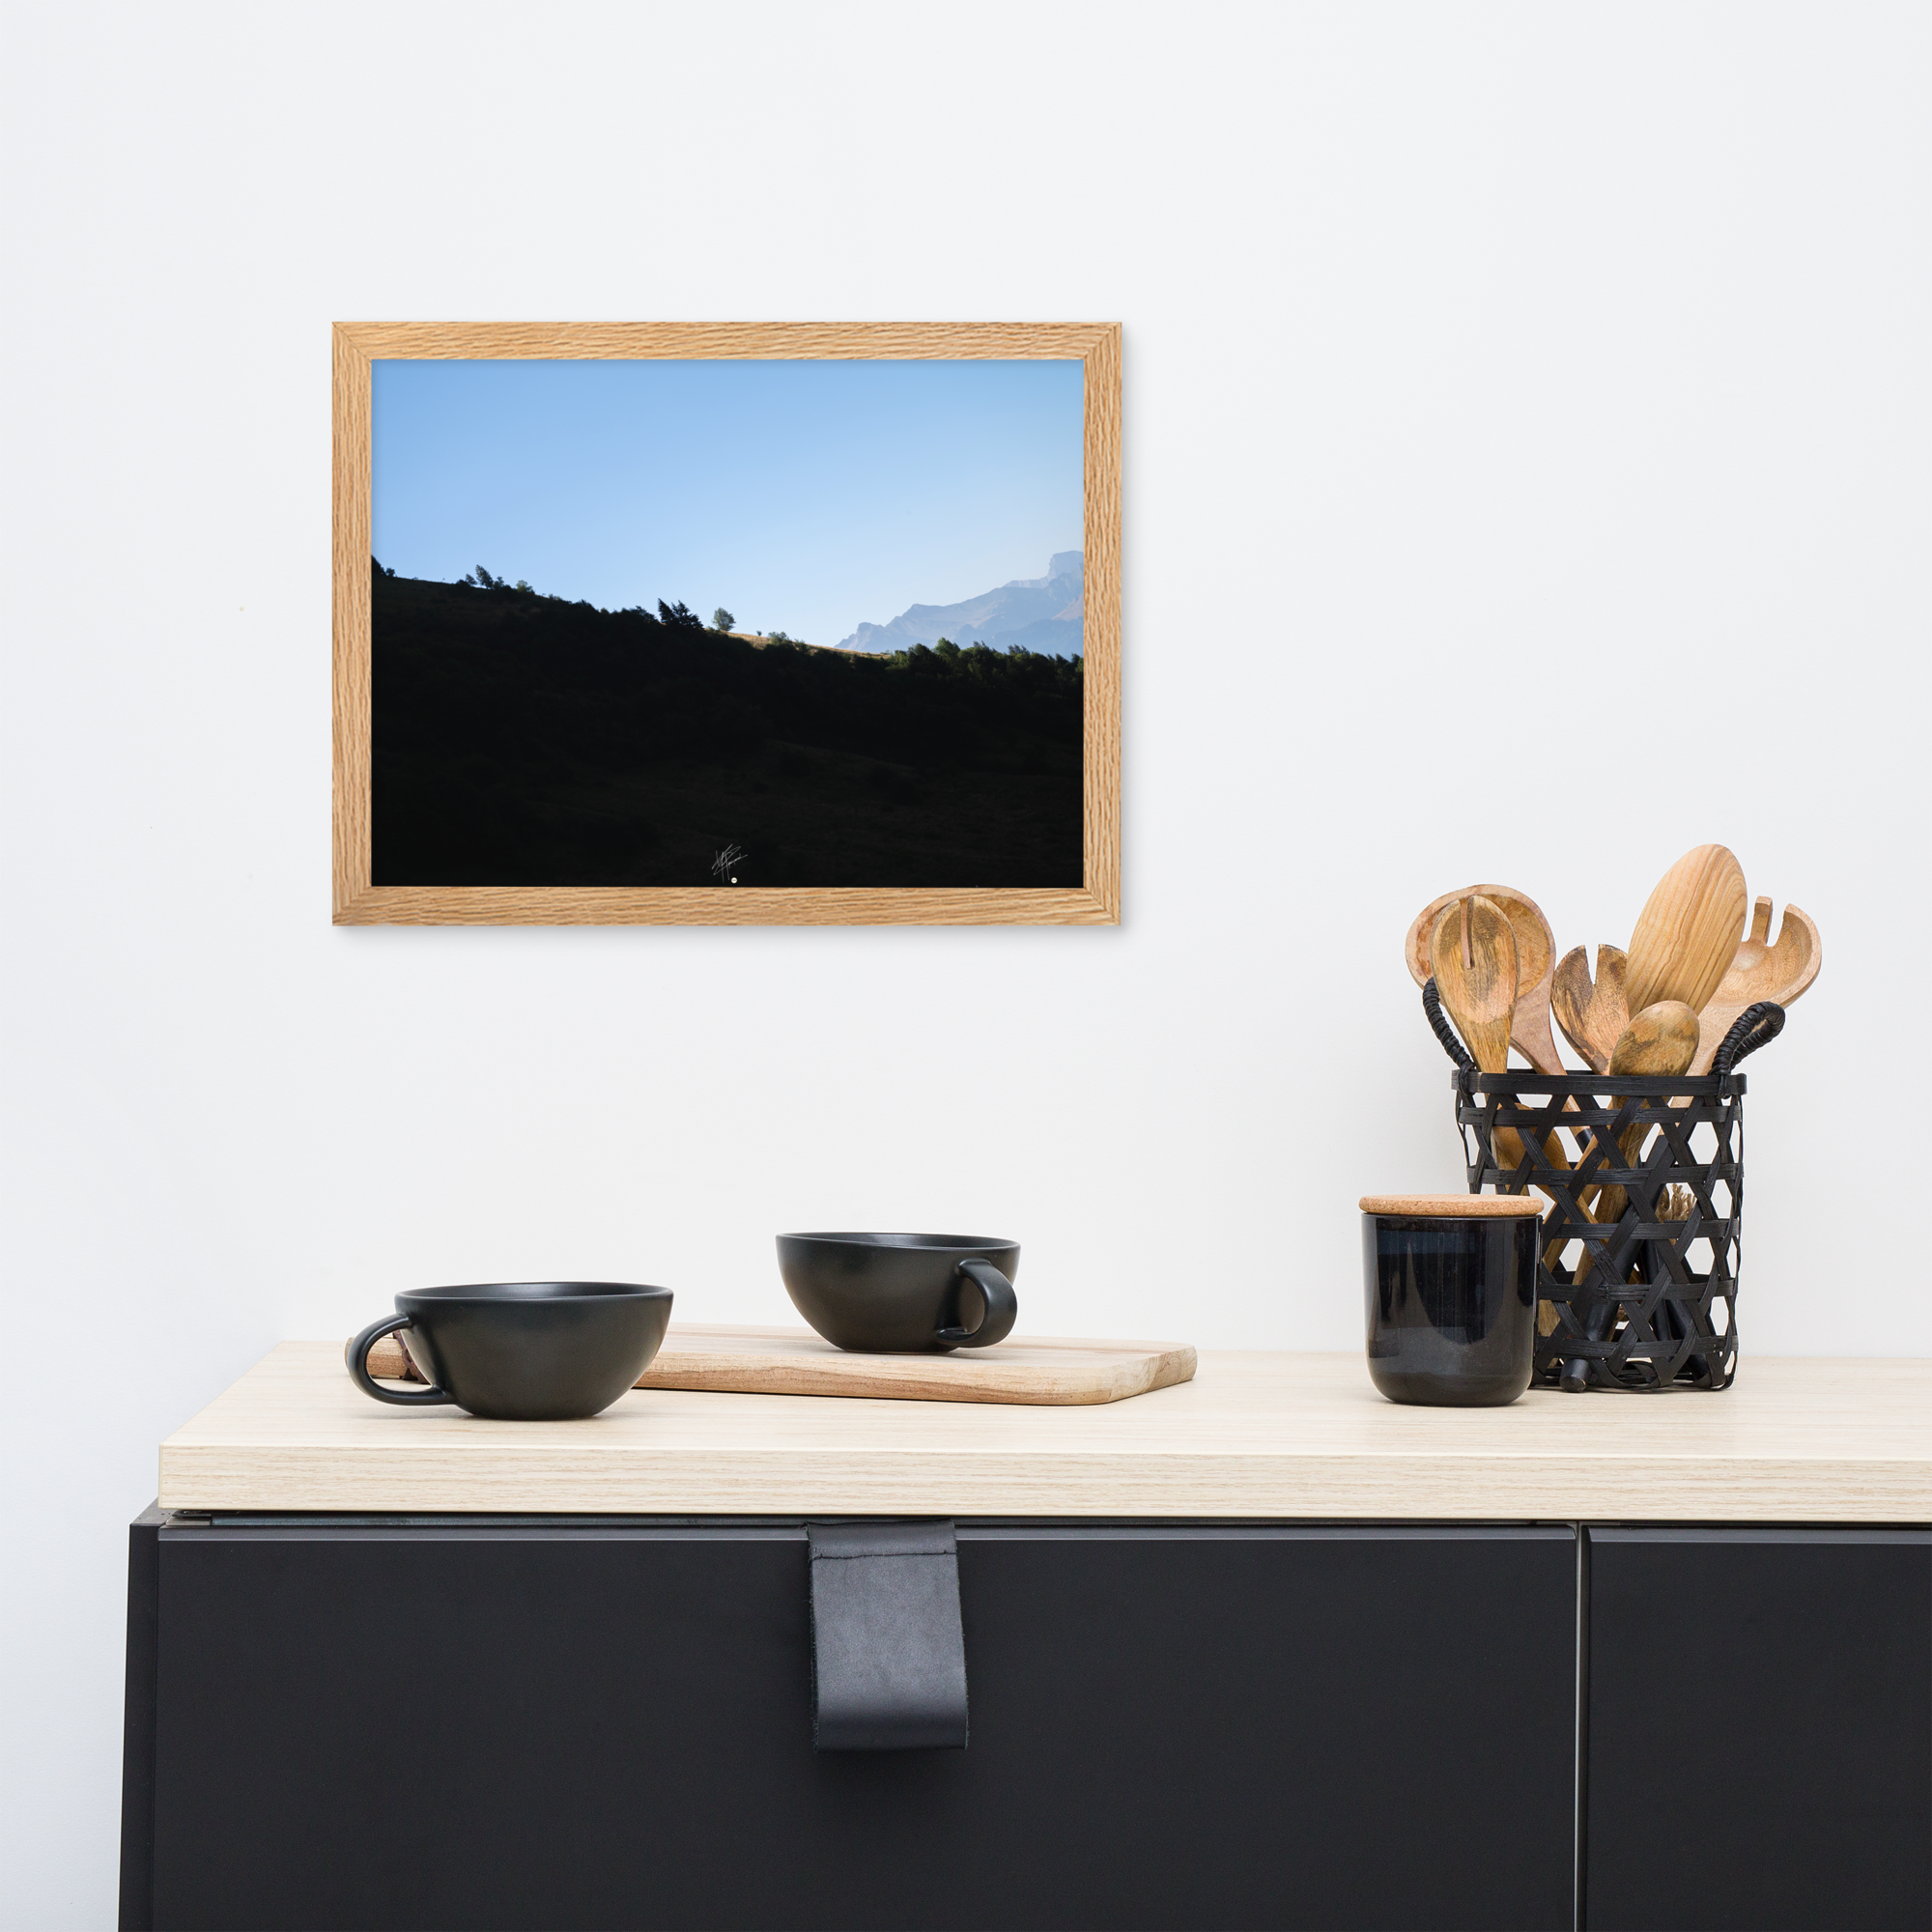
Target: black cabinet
x,y
598,1722
595,1721
1760,1729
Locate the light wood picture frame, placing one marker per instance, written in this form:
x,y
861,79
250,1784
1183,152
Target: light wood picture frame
x,y
358,902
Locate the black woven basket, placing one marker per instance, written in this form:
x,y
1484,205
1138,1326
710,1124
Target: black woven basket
x,y
1643,1301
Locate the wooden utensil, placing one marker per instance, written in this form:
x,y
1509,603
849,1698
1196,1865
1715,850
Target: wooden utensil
x,y
1529,1015
1535,961
1677,1326
1661,1042
1760,971
1473,957
1688,933
1593,1016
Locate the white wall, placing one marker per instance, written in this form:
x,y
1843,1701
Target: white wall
x,y
1527,414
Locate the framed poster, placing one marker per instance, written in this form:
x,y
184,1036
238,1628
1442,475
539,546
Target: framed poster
x,y
745,623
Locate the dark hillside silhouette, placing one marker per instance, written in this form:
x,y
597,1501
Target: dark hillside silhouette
x,y
522,739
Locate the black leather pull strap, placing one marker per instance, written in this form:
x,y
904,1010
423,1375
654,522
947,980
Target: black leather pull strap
x,y
888,1658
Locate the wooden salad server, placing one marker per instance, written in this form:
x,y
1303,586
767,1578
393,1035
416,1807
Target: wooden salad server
x,y
1687,936
1472,958
1535,961
1593,1016
1760,971
1472,955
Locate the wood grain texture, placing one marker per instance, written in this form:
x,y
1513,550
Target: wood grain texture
x,y
1658,1043
1045,1370
706,341
1593,1014
1459,1206
1048,1371
1761,971
350,576
1472,959
1687,933
729,905
1535,962
1252,1435
1095,902
1101,636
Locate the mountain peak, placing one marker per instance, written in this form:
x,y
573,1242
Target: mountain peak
x,y
1041,614
1061,563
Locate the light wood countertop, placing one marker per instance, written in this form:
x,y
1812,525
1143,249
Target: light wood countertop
x,y
1254,1435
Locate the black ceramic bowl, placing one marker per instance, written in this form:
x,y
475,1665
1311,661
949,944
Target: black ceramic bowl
x,y
1452,1300
902,1294
522,1350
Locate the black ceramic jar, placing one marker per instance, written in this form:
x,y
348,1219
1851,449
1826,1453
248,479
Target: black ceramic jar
x,y
1450,1282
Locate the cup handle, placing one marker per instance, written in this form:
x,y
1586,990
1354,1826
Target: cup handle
x,y
356,1356
1003,1308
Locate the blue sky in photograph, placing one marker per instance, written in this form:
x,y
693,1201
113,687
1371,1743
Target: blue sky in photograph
x,y
804,497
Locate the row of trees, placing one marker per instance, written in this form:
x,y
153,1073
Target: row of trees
x,y
679,615
972,659
480,580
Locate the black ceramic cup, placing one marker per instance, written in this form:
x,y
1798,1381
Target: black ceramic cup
x,y
902,1294
1450,1282
521,1350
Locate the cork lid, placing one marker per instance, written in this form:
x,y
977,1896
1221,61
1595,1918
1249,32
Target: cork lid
x,y
1463,1206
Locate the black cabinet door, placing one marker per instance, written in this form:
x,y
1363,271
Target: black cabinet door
x,y
556,1726
1760,1729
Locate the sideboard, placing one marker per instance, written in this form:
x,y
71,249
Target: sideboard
x,y
1259,1650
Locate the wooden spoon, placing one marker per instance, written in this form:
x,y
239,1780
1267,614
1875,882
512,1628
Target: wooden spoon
x,y
1535,961
1760,971
1661,1042
1593,1017
1688,933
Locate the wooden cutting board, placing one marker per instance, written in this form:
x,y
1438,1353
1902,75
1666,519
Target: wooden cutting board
x,y
794,1361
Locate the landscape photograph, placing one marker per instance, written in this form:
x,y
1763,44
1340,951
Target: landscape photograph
x,y
726,623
